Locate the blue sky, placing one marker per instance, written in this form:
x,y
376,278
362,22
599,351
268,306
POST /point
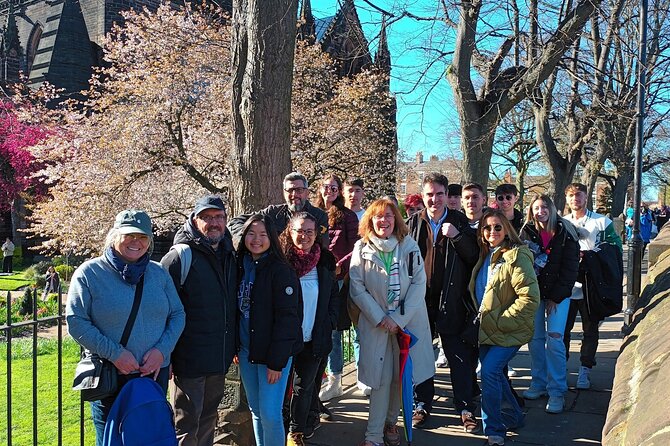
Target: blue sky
x,y
426,122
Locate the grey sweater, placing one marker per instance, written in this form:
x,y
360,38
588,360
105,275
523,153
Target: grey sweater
x,y
99,303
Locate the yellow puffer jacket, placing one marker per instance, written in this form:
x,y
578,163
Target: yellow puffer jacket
x,y
511,298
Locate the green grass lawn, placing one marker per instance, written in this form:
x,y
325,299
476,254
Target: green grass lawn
x,y
47,394
13,282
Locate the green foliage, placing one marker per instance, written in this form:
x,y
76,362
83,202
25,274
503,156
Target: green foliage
x,y
22,310
58,260
13,282
35,273
26,303
47,389
65,271
17,259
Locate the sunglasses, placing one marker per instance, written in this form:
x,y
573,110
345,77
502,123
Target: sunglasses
x,y
328,188
489,228
505,197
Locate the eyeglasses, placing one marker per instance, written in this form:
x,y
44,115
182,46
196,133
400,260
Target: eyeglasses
x,y
328,188
505,197
304,233
211,218
295,190
489,228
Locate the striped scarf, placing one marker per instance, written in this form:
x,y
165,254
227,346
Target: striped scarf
x,y
388,252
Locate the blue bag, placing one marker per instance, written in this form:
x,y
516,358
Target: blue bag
x,y
140,416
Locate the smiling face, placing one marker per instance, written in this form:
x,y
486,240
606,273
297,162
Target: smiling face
x,y
296,195
473,203
131,247
435,198
576,200
493,231
506,201
303,234
257,240
384,224
329,190
212,224
540,211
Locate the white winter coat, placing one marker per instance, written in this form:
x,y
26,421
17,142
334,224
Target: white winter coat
x,y
368,289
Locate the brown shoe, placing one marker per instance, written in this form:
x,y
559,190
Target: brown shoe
x,y
295,439
391,435
419,418
470,423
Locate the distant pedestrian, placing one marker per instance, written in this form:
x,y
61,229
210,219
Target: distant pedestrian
x,y
8,256
52,282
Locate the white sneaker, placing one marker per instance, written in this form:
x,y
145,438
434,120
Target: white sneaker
x,y
511,373
364,388
441,360
332,389
583,380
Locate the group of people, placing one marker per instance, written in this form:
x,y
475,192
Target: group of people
x,y
273,290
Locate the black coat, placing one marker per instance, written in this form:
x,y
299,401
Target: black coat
x,y
275,315
558,276
448,301
327,306
209,295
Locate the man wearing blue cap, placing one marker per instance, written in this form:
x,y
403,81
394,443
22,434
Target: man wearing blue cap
x,y
203,267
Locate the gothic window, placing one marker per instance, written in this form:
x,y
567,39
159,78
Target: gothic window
x,y
33,43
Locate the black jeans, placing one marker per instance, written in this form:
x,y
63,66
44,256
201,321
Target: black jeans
x,y
306,367
591,335
7,264
462,369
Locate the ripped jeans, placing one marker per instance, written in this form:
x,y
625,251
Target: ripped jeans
x,y
547,350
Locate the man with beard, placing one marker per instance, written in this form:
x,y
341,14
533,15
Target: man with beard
x,y
296,195
207,286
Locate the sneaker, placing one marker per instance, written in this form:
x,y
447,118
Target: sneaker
x,y
295,439
311,428
470,424
325,413
583,381
419,417
534,393
364,388
369,443
511,373
441,361
555,404
391,435
333,388
495,440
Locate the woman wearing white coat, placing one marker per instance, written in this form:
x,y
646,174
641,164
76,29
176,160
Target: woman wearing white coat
x,y
389,300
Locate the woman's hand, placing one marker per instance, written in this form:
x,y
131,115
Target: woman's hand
x,y
236,360
126,363
550,306
389,324
273,376
151,363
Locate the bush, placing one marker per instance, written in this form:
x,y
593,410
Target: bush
x,y
58,260
36,273
26,302
65,271
17,259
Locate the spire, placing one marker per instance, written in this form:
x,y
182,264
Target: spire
x,y
306,26
383,56
11,47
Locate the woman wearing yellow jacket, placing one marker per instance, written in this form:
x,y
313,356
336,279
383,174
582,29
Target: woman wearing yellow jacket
x,y
504,287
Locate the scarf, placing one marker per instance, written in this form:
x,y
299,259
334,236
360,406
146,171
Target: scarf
x,y
130,272
303,262
388,252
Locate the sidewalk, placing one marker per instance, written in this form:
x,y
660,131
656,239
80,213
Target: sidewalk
x,y
580,424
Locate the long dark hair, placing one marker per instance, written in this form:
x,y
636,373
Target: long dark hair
x,y
337,209
275,247
285,239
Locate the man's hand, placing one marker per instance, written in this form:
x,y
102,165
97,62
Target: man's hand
x,y
449,230
273,376
151,363
126,363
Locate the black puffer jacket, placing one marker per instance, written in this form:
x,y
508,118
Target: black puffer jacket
x,y
558,276
209,295
275,315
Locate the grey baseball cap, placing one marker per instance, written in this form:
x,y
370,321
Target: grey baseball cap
x,y
133,221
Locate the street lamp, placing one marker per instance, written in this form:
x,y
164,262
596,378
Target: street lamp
x,y
635,244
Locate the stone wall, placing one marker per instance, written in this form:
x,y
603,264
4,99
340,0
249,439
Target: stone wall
x,y
639,407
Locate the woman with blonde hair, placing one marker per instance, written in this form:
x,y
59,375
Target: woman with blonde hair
x,y
504,287
555,247
388,283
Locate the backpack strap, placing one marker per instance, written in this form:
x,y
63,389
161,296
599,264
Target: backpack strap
x,y
185,259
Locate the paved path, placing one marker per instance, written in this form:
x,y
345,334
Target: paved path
x,y
580,424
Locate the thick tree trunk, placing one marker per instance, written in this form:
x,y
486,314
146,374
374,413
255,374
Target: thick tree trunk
x,y
263,49
620,188
477,147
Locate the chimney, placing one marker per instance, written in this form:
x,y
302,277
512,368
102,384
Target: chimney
x,y
419,157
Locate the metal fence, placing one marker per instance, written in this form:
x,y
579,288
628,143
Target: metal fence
x,y
30,327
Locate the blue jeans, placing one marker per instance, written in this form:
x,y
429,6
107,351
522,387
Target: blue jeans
x,y
265,400
100,408
547,350
495,391
336,356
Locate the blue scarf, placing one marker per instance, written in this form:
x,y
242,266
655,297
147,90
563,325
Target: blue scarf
x,y
130,272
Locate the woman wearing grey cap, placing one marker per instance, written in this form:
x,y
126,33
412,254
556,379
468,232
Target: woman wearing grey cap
x,y
100,298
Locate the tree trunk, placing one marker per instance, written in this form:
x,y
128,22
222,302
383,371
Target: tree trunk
x,y
620,188
263,49
477,148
